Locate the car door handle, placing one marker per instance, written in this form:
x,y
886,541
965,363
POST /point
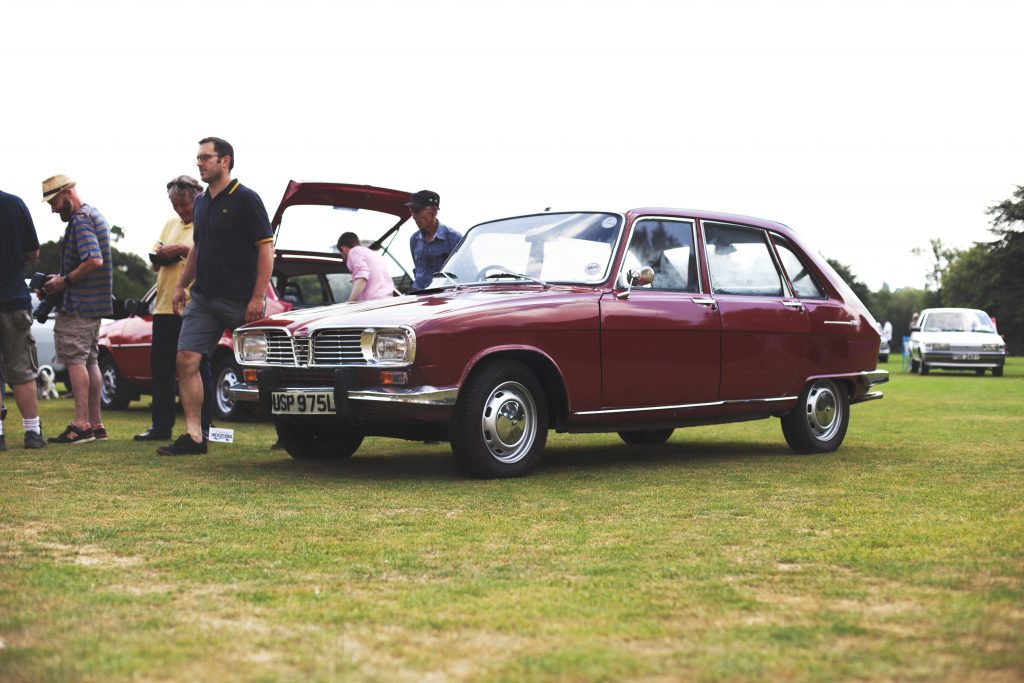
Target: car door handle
x,y
705,301
793,304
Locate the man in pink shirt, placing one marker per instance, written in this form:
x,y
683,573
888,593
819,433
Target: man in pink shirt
x,y
370,277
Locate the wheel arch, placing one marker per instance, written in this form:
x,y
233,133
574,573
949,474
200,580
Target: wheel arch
x,y
543,368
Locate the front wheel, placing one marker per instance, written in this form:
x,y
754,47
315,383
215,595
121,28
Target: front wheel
x,y
316,439
114,395
923,368
818,422
225,373
500,423
997,372
646,437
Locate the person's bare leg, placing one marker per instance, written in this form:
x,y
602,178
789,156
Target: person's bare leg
x,y
190,391
95,393
27,399
79,376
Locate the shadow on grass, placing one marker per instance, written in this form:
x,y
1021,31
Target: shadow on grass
x,y
439,464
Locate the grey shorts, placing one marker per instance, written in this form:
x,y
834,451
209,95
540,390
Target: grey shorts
x,y
17,347
205,321
75,337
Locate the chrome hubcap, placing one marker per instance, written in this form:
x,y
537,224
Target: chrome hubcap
x,y
224,401
509,422
109,384
823,411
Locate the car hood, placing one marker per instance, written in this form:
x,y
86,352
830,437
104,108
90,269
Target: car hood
x,y
414,310
365,197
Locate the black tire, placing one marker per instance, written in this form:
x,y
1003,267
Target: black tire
x,y
646,437
114,395
225,373
884,358
500,423
914,365
997,372
819,421
979,372
317,440
923,368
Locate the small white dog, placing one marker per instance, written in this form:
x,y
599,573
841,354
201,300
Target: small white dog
x,y
45,385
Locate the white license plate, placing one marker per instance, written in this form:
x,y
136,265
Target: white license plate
x,y
966,356
301,403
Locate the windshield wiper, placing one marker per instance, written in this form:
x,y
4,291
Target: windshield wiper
x,y
450,277
518,276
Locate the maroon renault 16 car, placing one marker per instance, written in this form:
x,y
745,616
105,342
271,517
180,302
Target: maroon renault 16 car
x,y
636,323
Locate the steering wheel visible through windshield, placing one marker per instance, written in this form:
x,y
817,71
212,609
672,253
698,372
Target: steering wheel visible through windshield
x,y
571,248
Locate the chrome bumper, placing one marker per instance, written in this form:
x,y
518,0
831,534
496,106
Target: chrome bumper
x,y
424,396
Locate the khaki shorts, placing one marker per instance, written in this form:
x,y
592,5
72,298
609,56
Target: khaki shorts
x,y
75,337
17,347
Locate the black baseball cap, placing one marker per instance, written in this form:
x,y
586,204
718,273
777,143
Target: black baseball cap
x,y
424,198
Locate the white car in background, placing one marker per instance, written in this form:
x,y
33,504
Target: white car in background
x,y
956,339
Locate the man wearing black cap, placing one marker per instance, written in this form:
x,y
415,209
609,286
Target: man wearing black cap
x,y
433,243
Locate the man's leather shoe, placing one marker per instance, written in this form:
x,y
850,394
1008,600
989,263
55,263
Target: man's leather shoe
x,y
150,435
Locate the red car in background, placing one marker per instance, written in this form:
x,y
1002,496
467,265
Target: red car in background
x,y
307,272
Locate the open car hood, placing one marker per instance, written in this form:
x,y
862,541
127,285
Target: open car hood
x,y
367,197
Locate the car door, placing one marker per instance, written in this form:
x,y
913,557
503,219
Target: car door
x,y
765,330
660,344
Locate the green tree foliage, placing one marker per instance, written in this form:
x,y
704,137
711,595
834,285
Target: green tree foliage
x,y
132,276
990,275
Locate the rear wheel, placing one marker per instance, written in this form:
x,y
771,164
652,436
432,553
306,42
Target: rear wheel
x,y
818,422
500,424
979,372
114,394
997,372
646,437
316,439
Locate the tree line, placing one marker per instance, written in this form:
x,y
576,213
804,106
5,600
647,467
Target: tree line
x,y
989,276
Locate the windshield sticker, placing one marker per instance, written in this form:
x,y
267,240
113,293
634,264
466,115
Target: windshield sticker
x,y
609,222
593,269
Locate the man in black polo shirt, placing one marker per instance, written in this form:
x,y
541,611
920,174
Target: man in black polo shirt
x,y
229,269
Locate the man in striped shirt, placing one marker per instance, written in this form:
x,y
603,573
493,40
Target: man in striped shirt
x,y
86,284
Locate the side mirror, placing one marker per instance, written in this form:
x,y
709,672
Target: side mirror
x,y
915,328
635,277
136,307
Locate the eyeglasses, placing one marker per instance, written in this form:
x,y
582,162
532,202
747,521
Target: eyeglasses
x,y
203,158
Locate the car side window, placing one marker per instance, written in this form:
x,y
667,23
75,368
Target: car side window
x,y
740,262
666,246
804,283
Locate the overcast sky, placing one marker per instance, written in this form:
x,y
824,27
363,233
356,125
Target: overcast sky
x,y
869,127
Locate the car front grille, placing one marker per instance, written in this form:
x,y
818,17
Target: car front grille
x,y
337,347
327,347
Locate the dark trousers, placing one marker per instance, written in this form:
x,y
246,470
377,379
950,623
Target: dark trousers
x,y
163,361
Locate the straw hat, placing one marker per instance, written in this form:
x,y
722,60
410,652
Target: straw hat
x,y
58,183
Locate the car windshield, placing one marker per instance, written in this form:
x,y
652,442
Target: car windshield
x,y
573,248
959,321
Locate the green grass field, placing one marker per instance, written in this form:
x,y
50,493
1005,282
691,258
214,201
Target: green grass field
x,y
719,556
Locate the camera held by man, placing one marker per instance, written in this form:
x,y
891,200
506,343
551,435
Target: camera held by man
x,y
47,302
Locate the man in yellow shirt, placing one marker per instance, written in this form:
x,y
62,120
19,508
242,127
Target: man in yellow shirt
x,y
168,257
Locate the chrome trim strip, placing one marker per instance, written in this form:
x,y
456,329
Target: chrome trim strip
x,y
873,396
243,392
852,323
876,377
427,396
130,346
687,406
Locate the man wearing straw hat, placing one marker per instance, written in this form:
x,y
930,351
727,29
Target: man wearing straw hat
x,y
85,283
